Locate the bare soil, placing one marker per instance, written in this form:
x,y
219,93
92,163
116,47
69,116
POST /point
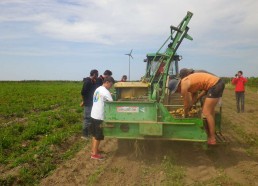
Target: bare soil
x,y
144,162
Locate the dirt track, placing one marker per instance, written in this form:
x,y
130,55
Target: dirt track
x,y
173,163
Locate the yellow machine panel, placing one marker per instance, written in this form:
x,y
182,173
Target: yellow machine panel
x,y
132,90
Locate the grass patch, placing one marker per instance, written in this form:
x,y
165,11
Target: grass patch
x,y
220,180
93,178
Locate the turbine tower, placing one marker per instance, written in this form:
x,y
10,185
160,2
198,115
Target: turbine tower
x,y
130,56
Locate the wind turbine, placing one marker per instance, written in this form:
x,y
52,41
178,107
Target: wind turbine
x,y
130,56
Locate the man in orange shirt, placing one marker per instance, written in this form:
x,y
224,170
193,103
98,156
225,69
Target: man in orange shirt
x,y
239,81
189,87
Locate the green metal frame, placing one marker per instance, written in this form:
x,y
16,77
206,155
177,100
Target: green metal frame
x,y
175,39
150,119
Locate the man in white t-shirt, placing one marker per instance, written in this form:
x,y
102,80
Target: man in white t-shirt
x,y
101,95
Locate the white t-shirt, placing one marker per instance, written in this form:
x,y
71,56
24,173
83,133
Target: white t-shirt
x,y
101,94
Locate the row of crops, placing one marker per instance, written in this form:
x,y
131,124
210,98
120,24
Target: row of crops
x,y
40,125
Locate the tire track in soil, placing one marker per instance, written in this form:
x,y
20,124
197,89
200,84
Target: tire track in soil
x,y
202,170
122,167
131,167
199,167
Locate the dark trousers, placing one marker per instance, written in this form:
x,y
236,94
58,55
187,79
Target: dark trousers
x,y
86,121
240,101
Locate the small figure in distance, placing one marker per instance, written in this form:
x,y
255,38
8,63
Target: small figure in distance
x,y
239,81
124,78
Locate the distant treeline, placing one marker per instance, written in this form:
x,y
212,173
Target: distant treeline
x,y
252,81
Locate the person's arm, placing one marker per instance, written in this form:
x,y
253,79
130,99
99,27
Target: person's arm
x,y
85,90
108,97
203,93
244,80
83,93
234,81
194,98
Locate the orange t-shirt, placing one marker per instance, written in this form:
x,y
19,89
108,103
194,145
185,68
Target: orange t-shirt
x,y
200,81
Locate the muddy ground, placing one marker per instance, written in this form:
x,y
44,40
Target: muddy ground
x,y
173,163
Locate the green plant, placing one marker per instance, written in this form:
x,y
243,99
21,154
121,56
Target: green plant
x,y
92,179
36,124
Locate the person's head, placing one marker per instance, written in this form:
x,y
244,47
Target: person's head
x,y
94,73
108,82
107,73
173,85
239,73
185,72
124,78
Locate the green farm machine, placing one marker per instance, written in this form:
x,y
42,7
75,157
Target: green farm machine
x,y
146,110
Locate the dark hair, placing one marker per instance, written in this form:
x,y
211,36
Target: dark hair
x,y
240,72
107,73
94,71
109,79
185,72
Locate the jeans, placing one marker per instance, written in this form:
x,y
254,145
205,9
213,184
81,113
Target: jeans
x,y
86,121
240,101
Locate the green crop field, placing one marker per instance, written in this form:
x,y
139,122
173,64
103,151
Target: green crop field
x,y
40,123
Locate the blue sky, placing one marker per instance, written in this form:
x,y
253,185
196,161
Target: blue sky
x,y
65,39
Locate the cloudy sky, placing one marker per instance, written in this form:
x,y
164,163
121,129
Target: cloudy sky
x,y
65,39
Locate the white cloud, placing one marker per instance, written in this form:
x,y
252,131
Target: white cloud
x,y
111,21
220,28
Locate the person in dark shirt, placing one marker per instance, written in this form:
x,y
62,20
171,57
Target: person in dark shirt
x,y
87,92
100,79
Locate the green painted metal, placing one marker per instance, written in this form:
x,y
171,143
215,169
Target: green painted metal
x,y
151,129
130,111
165,58
149,118
145,120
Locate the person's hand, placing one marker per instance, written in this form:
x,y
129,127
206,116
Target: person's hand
x,y
195,102
82,104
